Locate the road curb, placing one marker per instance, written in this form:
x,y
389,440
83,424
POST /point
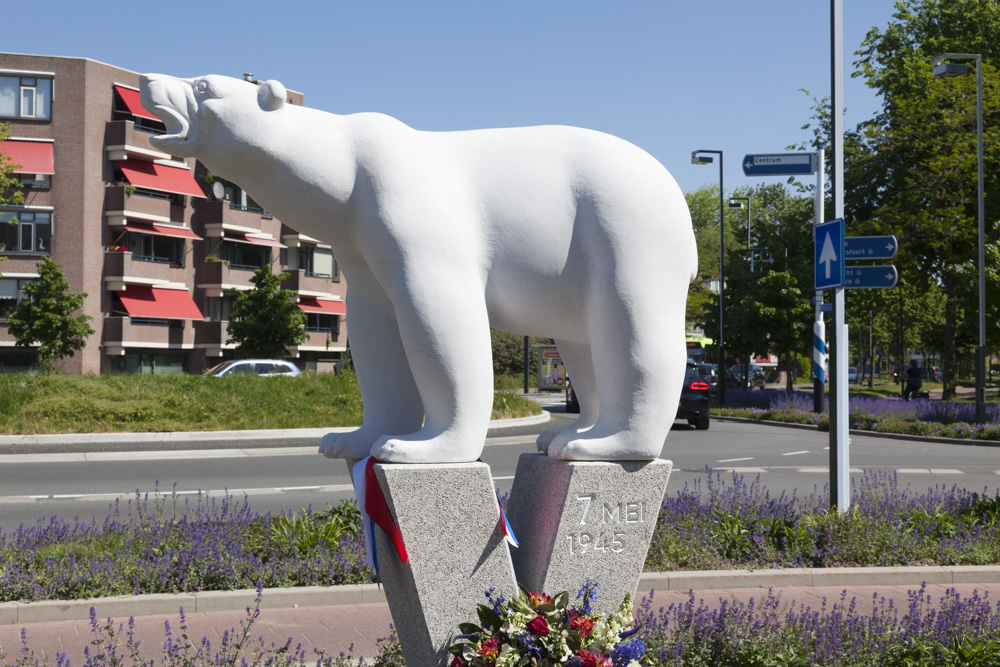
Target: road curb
x,y
123,606
874,434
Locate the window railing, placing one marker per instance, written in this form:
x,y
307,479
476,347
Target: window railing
x,y
313,274
245,267
150,322
250,209
157,260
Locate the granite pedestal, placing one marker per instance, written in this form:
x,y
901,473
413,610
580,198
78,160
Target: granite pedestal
x,y
450,523
579,520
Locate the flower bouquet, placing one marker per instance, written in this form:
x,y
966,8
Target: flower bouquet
x,y
540,630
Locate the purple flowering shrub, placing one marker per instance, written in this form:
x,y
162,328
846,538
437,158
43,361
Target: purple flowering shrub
x,y
922,417
712,524
203,544
846,633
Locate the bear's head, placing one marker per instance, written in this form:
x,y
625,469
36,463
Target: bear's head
x,y
209,114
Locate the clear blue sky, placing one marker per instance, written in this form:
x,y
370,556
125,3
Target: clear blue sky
x,y
669,76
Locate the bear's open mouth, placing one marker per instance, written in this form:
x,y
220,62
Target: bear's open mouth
x,y
177,125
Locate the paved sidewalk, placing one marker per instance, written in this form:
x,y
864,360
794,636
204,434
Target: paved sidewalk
x,y
334,627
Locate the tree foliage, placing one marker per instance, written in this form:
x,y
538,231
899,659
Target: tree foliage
x,y
265,321
913,172
46,317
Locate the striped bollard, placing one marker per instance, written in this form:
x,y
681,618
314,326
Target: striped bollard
x,y
819,364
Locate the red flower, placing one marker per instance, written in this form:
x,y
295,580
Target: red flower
x,y
539,598
593,659
538,626
583,625
490,648
456,661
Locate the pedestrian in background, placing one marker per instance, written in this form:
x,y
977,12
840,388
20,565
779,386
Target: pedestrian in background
x,y
913,380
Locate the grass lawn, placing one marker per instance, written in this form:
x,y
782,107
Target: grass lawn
x,y
38,403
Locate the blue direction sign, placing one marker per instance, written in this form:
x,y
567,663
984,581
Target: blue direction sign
x,y
870,247
829,254
870,277
779,164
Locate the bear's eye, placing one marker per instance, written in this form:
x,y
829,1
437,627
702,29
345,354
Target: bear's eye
x,y
202,86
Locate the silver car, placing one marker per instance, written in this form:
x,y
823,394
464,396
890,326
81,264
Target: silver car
x,y
256,366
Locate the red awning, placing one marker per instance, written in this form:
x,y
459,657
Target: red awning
x,y
160,303
243,238
160,177
35,157
131,99
313,305
161,230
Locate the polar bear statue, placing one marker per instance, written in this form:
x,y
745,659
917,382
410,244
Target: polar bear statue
x,y
544,231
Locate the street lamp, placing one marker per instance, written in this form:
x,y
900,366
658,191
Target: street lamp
x,y
943,71
737,203
697,158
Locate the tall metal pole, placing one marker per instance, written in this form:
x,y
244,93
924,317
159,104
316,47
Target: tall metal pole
x,y
981,348
722,293
840,489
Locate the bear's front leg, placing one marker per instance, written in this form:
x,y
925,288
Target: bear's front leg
x,y
443,323
391,402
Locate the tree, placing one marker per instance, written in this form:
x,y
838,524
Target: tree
x,y
783,312
914,173
264,321
46,317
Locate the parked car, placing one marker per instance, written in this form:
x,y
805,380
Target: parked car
x,y
852,374
756,379
709,373
258,366
695,404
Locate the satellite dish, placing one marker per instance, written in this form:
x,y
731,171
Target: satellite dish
x,y
218,190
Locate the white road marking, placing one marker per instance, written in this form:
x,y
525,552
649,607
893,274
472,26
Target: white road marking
x,y
749,458
806,451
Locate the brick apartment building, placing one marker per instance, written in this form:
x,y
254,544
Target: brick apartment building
x,y
160,246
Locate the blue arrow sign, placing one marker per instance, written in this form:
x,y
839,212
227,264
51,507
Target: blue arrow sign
x,y
870,247
829,254
870,277
779,164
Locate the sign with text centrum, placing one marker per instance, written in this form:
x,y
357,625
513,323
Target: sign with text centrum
x,y
780,164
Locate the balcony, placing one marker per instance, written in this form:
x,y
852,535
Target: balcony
x,y
119,206
122,141
121,333
308,285
316,341
220,211
211,337
120,269
217,278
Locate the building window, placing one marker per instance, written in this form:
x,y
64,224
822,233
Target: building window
x,y
25,97
238,199
35,180
220,307
318,262
152,248
25,231
244,256
324,323
11,294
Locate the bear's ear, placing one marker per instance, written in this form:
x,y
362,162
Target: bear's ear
x,y
271,95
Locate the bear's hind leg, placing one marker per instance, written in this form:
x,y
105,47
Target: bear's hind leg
x,y
638,339
580,370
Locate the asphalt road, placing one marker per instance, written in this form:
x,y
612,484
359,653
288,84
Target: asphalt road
x,y
290,474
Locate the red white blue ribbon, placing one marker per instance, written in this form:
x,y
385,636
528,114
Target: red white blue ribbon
x,y
508,532
375,512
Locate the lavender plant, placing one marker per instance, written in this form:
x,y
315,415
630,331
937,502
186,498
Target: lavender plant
x,y
717,524
886,415
144,546
845,633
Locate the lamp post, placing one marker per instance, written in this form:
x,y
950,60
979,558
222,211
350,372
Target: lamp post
x,y
943,71
698,158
